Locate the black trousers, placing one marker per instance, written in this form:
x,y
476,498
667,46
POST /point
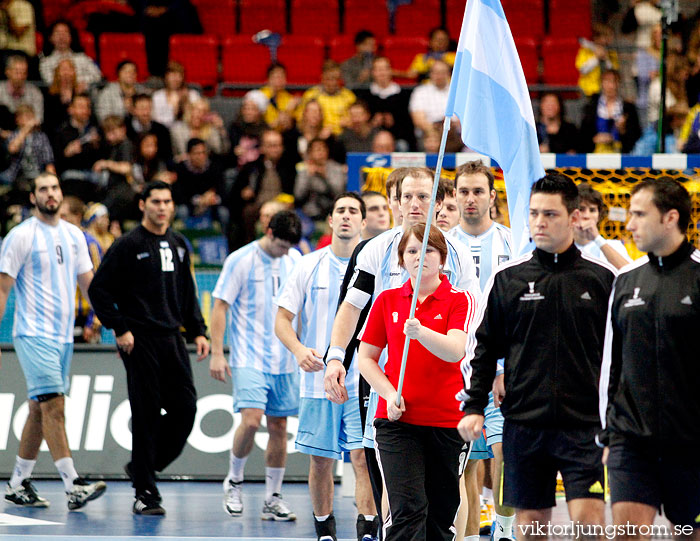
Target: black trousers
x,y
375,474
158,375
421,467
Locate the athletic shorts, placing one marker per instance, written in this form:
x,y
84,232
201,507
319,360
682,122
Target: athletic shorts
x,y
276,394
368,436
45,363
493,432
638,473
532,456
327,429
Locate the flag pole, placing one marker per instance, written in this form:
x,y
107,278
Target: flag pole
x,y
428,223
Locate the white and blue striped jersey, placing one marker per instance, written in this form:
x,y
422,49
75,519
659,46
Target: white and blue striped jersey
x,y
380,259
45,262
489,250
249,283
595,251
312,290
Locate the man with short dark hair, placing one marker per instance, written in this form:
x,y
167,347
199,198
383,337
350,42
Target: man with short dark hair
x,y
139,120
649,404
116,98
16,90
144,290
262,370
544,314
378,218
356,69
44,257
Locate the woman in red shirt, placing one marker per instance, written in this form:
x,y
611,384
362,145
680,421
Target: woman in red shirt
x,y
420,451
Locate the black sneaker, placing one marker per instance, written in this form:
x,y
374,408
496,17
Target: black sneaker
x,y
366,529
25,495
84,491
325,531
148,504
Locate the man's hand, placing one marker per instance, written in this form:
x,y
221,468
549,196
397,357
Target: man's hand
x,y
334,382
125,342
218,367
470,427
309,360
499,390
394,412
202,347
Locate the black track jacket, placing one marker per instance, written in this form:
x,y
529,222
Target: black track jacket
x,y
651,367
545,314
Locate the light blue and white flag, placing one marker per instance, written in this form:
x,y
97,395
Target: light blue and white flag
x,y
489,94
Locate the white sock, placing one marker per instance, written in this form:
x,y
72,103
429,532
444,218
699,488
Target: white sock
x,y
471,538
322,518
67,470
23,470
273,481
505,525
487,494
236,468
369,518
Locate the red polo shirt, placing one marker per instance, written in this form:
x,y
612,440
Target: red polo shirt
x,y
430,384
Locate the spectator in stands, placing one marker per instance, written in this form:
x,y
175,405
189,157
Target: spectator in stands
x,y
438,49
169,103
30,151
98,224
319,181
199,122
356,69
116,98
141,121
689,138
148,166
113,166
311,126
245,132
77,141
388,103
20,35
159,20
60,95
61,37
332,97
676,108
279,114
595,56
258,182
199,185
554,133
383,142
646,68
640,19
16,90
358,136
609,123
693,56
428,101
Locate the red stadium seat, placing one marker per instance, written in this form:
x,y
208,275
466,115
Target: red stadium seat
x,y
315,18
402,50
54,10
303,57
39,39
243,61
529,58
417,18
115,47
570,18
218,17
525,17
366,15
559,61
199,56
256,15
342,47
87,41
454,13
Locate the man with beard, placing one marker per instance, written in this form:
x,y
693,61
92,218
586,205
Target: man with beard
x,y
45,257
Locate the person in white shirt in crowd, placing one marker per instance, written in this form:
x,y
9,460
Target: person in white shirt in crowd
x,y
61,38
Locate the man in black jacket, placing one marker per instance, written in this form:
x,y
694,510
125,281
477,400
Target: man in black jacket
x,y
145,291
649,401
545,314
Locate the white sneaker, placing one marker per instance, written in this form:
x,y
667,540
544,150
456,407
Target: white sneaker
x,y
25,495
83,492
276,509
233,501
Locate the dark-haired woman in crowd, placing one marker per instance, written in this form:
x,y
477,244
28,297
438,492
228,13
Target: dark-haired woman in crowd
x,y
554,133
